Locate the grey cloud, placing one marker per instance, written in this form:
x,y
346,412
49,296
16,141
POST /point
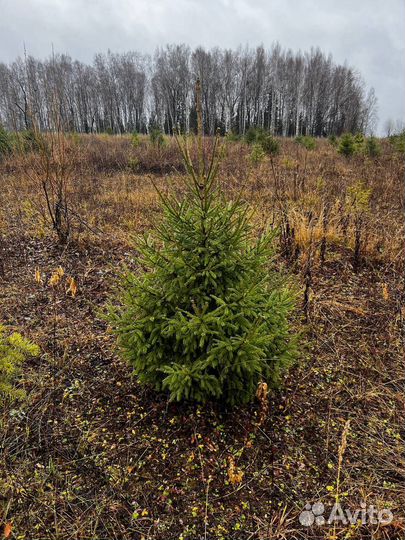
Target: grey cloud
x,y
368,34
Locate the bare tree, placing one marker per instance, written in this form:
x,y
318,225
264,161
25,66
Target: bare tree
x,y
287,93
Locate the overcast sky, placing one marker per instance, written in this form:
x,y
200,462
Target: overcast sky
x,y
368,34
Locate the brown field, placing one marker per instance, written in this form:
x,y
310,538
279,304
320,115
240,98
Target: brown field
x,y
91,455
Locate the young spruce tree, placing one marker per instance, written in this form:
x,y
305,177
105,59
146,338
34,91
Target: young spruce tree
x,y
209,320
13,351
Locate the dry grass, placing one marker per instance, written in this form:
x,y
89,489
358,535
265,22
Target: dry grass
x,y
90,455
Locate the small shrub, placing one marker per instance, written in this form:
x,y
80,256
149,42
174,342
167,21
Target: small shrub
x,y
28,141
157,138
256,135
251,135
358,198
257,154
260,137
51,168
135,141
133,164
13,350
346,145
398,142
289,164
372,148
306,141
231,136
359,142
270,145
6,146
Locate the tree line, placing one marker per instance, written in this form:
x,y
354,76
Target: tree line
x,y
284,92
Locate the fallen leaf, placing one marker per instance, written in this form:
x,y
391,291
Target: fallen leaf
x,y
72,286
7,530
38,277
